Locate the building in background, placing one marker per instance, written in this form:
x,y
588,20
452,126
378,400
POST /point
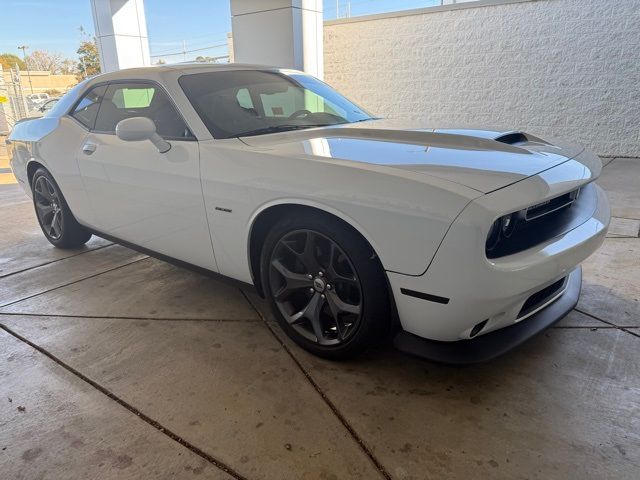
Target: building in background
x,y
42,82
17,86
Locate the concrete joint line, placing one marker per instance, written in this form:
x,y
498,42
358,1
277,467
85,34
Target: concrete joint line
x,y
146,319
604,327
624,329
57,260
155,424
323,396
72,283
625,218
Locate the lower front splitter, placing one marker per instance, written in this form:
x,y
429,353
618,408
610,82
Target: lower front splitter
x,y
491,345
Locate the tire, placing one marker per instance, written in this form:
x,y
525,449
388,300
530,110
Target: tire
x,y
54,216
332,321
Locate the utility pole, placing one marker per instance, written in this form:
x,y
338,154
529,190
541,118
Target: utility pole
x,y
184,51
24,57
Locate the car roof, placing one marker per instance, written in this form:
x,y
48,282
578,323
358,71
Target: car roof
x,y
153,73
185,68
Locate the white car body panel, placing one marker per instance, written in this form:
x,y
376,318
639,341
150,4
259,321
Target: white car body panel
x,y
230,180
498,288
464,158
423,198
147,198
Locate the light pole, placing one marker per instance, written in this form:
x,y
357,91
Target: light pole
x,y
24,57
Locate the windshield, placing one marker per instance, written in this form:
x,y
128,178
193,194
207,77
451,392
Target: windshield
x,y
240,103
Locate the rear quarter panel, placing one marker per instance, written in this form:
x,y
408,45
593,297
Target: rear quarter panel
x,y
54,143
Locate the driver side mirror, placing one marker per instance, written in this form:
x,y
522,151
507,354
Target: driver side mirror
x,y
137,129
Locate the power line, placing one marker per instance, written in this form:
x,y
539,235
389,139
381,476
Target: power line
x,y
169,49
344,7
182,52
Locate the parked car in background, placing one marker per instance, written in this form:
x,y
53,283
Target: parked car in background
x,y
37,99
43,108
461,243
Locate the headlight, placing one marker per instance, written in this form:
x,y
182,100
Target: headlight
x,y
494,235
502,228
508,224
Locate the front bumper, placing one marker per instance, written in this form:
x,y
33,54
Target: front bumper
x,y
464,295
498,342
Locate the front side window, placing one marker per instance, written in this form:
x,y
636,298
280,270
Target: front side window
x,y
127,100
87,108
250,102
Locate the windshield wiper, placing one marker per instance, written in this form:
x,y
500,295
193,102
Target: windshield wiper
x,y
280,128
366,119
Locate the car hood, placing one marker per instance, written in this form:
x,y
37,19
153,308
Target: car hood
x,y
485,160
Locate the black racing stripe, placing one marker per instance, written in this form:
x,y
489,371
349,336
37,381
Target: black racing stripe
x,y
424,296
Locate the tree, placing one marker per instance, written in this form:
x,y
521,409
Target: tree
x,y
68,67
89,63
9,60
47,61
202,59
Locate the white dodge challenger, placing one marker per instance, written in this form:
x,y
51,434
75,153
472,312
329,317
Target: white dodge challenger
x,y
460,243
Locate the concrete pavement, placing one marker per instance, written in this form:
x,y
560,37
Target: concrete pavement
x,y
116,365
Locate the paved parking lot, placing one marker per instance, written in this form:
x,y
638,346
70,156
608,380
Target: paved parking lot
x,y
114,365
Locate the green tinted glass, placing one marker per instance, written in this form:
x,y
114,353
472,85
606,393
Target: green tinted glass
x,y
133,97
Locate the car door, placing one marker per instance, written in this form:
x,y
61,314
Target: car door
x,y
139,195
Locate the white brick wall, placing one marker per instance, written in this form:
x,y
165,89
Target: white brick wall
x,y
567,68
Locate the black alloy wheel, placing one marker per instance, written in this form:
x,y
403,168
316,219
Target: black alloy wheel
x,y
54,216
325,285
315,287
48,208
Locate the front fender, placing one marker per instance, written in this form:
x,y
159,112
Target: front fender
x,y
312,204
403,215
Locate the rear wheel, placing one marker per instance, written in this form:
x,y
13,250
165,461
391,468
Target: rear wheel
x,y
56,220
325,285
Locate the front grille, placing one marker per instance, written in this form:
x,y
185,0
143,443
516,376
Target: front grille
x,y
541,297
544,221
550,206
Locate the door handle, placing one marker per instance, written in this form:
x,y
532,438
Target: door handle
x,y
89,148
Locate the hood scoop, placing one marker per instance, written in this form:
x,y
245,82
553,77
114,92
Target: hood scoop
x,y
512,138
518,138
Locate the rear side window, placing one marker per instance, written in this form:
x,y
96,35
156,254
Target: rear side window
x,y
133,97
87,108
127,100
244,98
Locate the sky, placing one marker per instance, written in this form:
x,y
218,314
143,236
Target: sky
x,y
202,25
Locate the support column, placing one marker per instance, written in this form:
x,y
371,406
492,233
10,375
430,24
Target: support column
x,y
121,33
282,33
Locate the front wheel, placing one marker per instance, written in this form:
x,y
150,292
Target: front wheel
x,y
325,285
56,220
